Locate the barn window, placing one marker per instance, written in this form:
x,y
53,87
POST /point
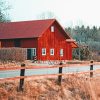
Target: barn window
x,y
43,51
34,51
51,51
61,52
52,28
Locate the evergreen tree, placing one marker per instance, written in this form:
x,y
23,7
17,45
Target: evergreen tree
x,y
87,38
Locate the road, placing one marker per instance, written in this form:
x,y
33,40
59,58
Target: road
x,y
28,72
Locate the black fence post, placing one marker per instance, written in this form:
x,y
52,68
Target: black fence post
x,y
60,72
22,73
91,68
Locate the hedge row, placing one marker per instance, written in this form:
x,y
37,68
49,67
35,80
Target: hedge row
x,y
13,54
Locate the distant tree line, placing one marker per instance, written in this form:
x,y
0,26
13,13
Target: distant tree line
x,y
88,40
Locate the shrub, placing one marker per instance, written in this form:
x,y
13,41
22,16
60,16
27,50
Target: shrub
x,y
13,54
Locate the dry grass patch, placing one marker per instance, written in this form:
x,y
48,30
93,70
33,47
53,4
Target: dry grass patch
x,y
73,87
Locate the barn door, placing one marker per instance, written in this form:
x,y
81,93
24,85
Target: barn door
x,y
31,53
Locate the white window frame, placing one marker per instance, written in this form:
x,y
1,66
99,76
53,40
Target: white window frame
x,y
52,51
34,51
52,29
43,51
61,52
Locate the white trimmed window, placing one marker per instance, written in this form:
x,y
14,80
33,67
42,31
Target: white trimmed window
x,y
43,51
61,52
51,51
34,51
52,28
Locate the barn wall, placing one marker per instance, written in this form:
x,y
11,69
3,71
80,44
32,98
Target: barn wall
x,y
7,43
48,40
69,51
24,43
29,43
54,40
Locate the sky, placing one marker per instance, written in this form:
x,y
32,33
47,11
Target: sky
x,y
67,12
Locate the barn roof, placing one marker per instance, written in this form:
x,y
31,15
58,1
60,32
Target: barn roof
x,y
25,29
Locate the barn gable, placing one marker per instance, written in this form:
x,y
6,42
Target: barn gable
x,y
63,33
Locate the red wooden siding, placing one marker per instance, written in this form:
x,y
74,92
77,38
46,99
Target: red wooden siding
x,y
69,51
54,40
29,43
25,43
7,43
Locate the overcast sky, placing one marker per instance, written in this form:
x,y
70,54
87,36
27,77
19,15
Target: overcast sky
x,y
67,12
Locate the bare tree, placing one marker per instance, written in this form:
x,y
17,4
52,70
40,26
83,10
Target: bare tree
x,y
4,7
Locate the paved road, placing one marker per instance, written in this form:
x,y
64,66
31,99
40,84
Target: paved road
x,y
13,73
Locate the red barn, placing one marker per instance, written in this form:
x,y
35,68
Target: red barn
x,y
44,39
